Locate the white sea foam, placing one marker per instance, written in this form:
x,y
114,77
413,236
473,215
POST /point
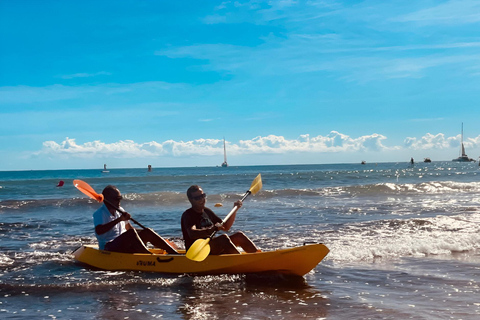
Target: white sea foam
x,y
5,260
402,238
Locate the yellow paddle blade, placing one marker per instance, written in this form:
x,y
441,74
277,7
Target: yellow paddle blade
x,y
256,184
199,250
86,189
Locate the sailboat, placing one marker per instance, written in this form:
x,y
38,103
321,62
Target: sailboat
x,y
224,164
463,157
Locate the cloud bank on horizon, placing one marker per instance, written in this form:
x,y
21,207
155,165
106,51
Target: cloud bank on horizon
x,y
271,144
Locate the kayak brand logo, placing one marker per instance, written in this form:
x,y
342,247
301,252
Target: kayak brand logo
x,y
146,263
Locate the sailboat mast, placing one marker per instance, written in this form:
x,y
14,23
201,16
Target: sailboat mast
x,y
224,151
462,132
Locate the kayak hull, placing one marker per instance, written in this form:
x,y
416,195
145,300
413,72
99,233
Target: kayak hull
x,y
296,261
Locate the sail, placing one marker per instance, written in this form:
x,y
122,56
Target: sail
x,y
224,164
463,157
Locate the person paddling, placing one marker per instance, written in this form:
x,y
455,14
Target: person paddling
x,y
115,233
199,222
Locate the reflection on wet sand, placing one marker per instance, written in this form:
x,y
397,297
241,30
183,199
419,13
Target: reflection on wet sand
x,y
252,296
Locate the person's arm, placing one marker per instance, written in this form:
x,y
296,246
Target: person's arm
x,y
102,228
195,233
228,224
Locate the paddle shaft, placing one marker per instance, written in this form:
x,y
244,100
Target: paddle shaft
x,y
122,211
231,212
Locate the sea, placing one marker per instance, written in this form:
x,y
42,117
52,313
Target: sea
x,y
404,243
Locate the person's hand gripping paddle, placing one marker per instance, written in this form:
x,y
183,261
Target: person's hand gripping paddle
x,y
89,191
200,249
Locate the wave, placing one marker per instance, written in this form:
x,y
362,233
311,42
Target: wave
x,y
179,198
379,189
354,242
391,239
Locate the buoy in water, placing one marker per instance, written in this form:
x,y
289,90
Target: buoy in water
x,y
60,183
218,205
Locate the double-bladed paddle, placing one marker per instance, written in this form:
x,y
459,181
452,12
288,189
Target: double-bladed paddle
x,y
89,191
200,249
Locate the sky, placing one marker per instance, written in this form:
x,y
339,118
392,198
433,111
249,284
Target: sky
x,y
162,83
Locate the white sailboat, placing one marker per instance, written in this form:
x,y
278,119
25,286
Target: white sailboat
x,y
463,157
224,164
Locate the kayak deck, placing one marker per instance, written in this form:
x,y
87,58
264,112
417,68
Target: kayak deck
x,y
296,261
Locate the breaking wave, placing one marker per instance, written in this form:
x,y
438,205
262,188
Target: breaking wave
x,y
179,198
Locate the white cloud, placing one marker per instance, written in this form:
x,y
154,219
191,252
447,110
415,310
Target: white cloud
x,y
331,146
450,12
352,60
306,47
439,141
85,75
272,144
95,148
57,92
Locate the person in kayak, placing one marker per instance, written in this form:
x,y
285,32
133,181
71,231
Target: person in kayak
x,y
199,222
115,233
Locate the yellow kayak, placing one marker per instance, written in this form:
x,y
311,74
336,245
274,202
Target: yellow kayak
x,y
292,261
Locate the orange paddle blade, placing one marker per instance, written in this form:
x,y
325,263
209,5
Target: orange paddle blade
x,y
86,189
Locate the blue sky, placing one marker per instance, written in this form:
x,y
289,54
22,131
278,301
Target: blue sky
x,y
132,83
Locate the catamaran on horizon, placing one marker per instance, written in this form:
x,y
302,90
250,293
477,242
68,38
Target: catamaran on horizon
x,y
463,157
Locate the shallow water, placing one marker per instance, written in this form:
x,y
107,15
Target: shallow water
x,y
404,243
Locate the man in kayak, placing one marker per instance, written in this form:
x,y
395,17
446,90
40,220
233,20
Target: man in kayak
x,y
115,233
199,222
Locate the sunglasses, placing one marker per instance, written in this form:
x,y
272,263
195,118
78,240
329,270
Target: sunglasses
x,y
200,197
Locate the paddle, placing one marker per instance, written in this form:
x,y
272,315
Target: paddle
x,y
200,249
89,191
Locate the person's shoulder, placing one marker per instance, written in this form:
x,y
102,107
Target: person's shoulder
x,y
187,212
100,210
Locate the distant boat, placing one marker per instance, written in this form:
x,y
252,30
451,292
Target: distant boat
x,y
463,157
105,169
224,164
427,160
412,161
364,162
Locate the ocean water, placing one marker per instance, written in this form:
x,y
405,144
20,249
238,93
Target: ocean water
x,y
404,243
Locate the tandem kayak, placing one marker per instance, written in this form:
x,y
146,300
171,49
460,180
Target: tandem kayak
x,y
296,261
